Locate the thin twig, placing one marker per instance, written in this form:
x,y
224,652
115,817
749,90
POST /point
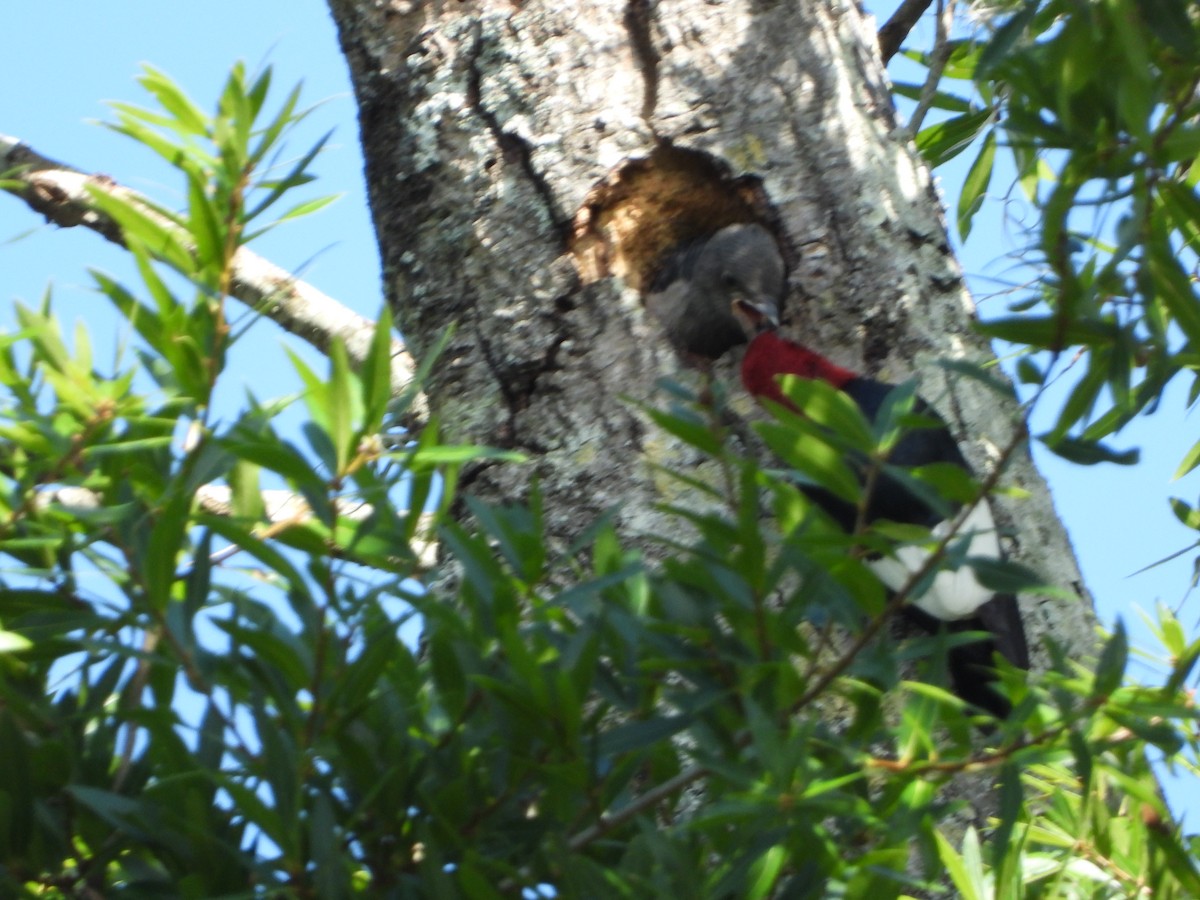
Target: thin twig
x,y
937,63
606,824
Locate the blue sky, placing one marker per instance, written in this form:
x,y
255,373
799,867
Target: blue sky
x,y
61,60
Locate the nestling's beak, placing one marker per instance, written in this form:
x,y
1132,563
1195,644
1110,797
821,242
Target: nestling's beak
x,y
756,316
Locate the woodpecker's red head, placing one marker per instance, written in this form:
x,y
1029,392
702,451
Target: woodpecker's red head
x,y
771,355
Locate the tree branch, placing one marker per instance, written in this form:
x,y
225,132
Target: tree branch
x,y
896,29
937,63
62,194
282,509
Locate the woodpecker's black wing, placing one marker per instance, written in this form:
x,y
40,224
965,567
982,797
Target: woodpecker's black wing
x,y
972,665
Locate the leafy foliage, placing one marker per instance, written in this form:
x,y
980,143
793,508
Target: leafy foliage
x,y
717,718
1094,107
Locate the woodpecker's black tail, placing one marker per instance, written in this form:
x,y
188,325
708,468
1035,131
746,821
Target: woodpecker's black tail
x,y
972,666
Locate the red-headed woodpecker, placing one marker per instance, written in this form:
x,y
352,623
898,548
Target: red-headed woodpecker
x,y
954,599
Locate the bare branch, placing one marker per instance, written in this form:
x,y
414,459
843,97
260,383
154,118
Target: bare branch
x,y
896,29
282,509
937,63
61,194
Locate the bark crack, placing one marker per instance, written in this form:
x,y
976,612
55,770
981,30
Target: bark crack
x,y
804,149
516,149
645,55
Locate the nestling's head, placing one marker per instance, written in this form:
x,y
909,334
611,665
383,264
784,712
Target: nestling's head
x,y
699,289
742,272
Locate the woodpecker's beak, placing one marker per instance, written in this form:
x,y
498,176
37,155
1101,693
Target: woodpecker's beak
x,y
756,316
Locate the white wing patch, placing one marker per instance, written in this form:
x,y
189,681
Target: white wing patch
x,y
953,594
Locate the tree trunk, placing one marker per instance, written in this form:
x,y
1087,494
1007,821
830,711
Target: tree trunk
x,y
529,162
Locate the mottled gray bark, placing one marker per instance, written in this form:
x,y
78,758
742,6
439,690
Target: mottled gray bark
x,y
487,128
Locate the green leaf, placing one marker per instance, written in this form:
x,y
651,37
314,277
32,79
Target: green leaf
x,y
1110,669
296,177
1008,576
189,117
688,427
274,455
830,408
285,117
943,141
1049,332
1188,515
456,455
118,811
308,207
1173,285
17,828
341,405
132,122
805,451
11,642
164,548
1090,453
248,542
207,230
957,868
640,735
161,239
1181,203
377,374
1189,461
974,189
941,99
1170,23
1028,371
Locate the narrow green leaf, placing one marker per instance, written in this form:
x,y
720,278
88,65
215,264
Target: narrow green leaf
x,y
941,99
1174,286
830,408
308,207
1049,332
1110,669
285,117
164,547
206,228
11,642
641,735
295,177
1171,24
974,189
140,226
1188,515
813,457
257,93
943,141
1090,453
131,122
245,490
117,810
956,868
1190,460
454,455
274,455
341,406
688,427
377,374
189,116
